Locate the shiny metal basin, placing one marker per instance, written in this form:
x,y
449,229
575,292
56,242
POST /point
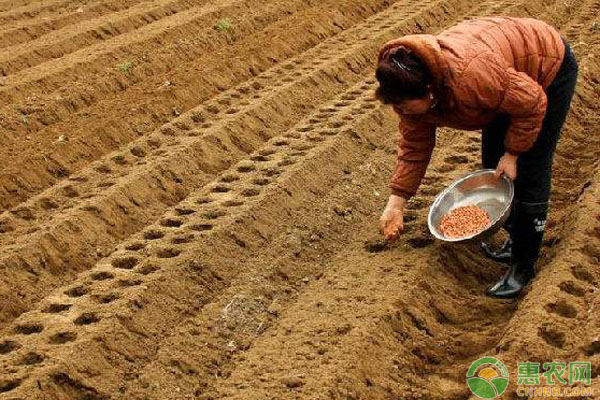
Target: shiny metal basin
x,y
478,188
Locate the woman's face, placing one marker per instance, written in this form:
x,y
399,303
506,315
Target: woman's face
x,y
415,106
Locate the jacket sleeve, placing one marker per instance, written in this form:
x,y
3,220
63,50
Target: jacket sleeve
x,y
489,84
525,101
415,145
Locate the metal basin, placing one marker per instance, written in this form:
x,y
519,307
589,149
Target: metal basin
x,y
478,188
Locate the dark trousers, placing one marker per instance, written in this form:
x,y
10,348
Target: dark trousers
x,y
534,167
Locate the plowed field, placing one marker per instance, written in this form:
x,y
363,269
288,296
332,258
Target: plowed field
x,y
190,193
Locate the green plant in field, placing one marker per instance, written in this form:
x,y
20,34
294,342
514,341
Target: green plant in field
x,y
25,119
126,67
223,25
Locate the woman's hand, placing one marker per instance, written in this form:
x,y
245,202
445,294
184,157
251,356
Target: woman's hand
x,y
508,166
392,219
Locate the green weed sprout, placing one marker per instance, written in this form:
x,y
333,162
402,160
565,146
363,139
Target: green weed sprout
x,y
126,67
223,25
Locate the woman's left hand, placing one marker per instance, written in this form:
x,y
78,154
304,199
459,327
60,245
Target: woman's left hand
x,y
508,166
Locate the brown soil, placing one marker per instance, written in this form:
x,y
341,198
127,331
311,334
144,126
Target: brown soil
x,y
190,213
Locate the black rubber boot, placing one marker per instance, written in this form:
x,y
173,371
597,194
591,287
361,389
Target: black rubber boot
x,y
513,282
527,235
502,255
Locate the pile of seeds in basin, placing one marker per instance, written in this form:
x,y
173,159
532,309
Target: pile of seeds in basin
x,y
464,221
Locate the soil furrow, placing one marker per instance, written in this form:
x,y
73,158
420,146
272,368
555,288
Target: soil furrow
x,y
155,34
252,303
113,121
166,176
62,42
215,337
558,313
252,306
183,243
11,10
548,324
17,32
432,332
235,104
124,261
334,128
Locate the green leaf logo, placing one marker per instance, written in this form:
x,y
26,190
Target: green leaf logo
x,y
487,378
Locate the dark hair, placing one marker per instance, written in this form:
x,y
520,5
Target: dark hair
x,y
401,75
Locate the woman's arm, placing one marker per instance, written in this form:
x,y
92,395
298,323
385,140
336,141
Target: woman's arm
x,y
415,145
525,101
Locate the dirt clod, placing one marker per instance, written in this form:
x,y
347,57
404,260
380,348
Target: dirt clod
x,y
293,382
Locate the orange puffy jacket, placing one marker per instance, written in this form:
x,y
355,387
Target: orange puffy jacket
x,y
481,68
